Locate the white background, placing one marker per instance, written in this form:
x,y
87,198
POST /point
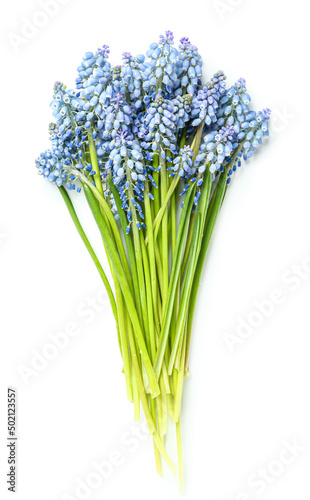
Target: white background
x,y
241,404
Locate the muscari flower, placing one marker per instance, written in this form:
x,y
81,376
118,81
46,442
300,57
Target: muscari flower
x,y
206,102
131,73
150,100
94,68
160,125
54,164
182,109
189,67
182,163
126,168
161,68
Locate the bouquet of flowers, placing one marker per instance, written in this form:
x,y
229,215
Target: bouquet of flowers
x,y
152,149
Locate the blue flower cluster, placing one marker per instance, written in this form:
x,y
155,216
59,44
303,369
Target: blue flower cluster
x,y
159,128
189,66
144,114
55,163
206,102
183,164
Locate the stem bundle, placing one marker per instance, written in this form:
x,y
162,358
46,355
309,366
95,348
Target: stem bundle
x,y
156,275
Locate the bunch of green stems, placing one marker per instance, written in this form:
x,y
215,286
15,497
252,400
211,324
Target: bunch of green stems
x,y
156,273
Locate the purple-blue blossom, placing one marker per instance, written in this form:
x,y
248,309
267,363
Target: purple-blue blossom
x,y
144,114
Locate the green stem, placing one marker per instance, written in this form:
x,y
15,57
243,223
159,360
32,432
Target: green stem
x,y
188,241
139,381
139,263
136,396
151,248
156,179
129,246
160,214
149,298
109,218
212,214
105,209
121,276
196,143
179,385
159,269
190,271
180,455
164,409
165,239
124,342
94,161
156,192
145,406
173,246
156,451
85,240
189,276
177,260
183,139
